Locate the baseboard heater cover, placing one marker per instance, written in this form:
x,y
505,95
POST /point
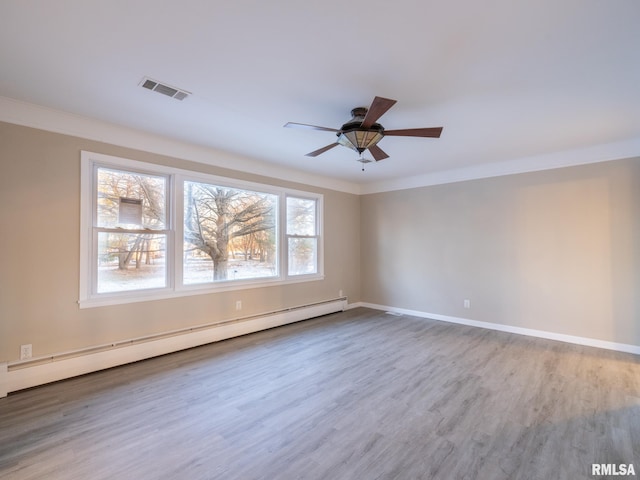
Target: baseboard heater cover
x,y
21,375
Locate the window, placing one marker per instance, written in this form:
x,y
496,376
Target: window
x,y
302,236
151,232
129,231
229,234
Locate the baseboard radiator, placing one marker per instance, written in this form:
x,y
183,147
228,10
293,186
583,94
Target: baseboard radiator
x,y
23,374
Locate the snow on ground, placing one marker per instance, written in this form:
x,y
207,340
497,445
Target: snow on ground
x,y
110,279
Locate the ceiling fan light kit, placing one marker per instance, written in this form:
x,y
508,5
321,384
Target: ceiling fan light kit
x,y
363,133
353,136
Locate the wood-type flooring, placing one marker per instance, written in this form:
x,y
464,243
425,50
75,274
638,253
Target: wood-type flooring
x,y
359,395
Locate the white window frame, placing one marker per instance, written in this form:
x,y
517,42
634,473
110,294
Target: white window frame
x,y
174,230
317,236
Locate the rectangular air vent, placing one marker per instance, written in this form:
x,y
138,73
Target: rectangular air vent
x,y
164,89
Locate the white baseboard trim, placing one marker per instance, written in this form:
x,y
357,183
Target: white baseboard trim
x,y
26,374
3,379
589,342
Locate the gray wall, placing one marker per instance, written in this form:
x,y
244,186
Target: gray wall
x,y
39,253
556,251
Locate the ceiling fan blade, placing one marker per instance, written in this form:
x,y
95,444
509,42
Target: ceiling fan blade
x,y
309,127
315,153
377,153
378,107
415,132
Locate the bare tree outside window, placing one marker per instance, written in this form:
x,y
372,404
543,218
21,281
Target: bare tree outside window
x,y
302,236
150,231
131,208
229,233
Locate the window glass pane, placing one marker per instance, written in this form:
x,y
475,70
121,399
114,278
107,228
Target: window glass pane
x,y
130,200
129,261
301,216
303,256
229,234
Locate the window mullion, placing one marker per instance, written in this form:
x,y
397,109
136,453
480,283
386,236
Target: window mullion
x,y
134,231
283,239
178,230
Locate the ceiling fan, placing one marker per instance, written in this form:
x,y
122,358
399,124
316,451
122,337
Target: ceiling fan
x,y
363,133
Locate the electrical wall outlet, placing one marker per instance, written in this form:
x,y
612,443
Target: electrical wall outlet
x,y
467,303
238,304
340,293
26,351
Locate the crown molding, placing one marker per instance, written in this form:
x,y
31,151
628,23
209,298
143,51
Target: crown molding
x,y
36,116
567,158
57,121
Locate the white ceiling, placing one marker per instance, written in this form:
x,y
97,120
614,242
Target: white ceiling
x,y
506,79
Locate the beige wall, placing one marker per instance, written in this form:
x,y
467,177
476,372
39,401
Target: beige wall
x,y
39,253
557,251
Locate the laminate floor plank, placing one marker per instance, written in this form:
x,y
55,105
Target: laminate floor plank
x,y
354,395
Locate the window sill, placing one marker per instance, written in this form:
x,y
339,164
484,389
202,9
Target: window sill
x,y
189,290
